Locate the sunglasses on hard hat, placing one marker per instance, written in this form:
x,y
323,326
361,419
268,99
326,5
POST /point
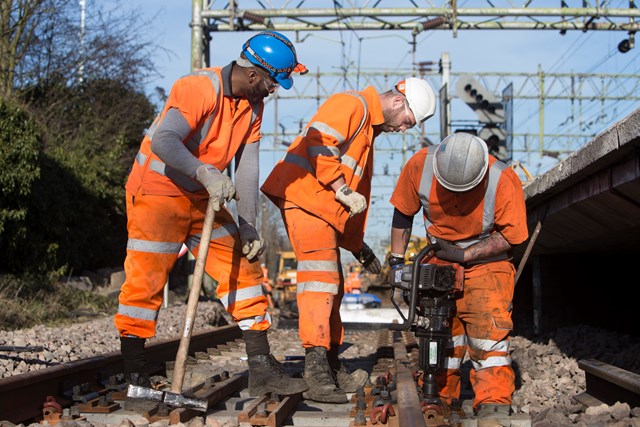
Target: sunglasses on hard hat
x,y
269,82
408,123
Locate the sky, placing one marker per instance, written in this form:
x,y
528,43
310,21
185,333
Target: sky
x,y
387,55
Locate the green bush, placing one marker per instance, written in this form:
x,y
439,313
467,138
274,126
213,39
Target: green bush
x,y
66,210
20,148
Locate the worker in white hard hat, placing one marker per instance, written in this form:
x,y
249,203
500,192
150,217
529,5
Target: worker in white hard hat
x,y
473,207
322,187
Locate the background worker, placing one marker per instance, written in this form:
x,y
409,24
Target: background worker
x,y
352,283
474,208
211,116
323,184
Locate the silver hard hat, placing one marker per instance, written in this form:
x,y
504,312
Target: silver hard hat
x,y
460,162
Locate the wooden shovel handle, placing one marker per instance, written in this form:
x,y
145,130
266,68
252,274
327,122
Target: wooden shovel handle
x,y
192,303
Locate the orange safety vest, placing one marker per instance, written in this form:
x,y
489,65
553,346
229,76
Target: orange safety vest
x,y
220,125
338,141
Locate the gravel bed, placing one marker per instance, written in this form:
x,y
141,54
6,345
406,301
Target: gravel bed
x,y
547,370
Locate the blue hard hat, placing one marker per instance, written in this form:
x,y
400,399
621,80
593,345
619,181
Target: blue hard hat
x,y
275,54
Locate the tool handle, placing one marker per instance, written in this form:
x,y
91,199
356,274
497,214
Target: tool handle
x,y
192,303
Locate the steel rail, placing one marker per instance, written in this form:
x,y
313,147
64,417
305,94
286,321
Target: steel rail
x,y
608,384
22,396
409,407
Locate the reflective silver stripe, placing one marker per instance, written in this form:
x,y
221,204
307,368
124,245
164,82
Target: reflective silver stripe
x,y
313,286
177,177
346,146
311,265
452,362
294,159
215,82
490,197
425,188
491,362
457,341
153,247
241,295
246,324
141,158
323,150
351,163
489,345
326,129
137,312
228,229
152,129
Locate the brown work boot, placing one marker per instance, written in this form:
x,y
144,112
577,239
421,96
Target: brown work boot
x,y
266,375
350,381
347,381
318,375
493,415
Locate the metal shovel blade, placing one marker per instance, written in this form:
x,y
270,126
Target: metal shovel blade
x,y
139,392
175,400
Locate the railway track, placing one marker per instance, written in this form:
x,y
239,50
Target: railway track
x,y
93,390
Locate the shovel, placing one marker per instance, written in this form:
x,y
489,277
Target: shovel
x,y
174,397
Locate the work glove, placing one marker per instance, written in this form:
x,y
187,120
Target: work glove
x,y
219,185
252,244
355,201
368,259
449,251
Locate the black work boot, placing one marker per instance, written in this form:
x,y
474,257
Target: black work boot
x,y
347,381
493,415
141,379
318,375
266,375
135,369
135,372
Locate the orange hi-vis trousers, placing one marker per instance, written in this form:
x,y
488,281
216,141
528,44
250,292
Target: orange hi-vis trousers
x,y
482,327
158,226
320,282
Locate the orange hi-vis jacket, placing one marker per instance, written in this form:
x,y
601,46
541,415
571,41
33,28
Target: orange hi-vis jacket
x,y
221,125
338,141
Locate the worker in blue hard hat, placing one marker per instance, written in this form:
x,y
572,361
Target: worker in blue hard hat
x,y
211,117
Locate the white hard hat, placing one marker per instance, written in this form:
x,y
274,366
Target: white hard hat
x,y
460,162
420,96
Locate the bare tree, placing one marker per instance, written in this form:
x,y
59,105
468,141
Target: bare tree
x,y
44,40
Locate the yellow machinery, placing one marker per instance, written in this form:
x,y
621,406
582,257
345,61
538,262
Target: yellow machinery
x,y
414,246
284,288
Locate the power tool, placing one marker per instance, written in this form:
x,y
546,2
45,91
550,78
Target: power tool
x,y
430,288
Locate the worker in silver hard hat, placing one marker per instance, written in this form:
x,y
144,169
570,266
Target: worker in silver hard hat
x,y
474,210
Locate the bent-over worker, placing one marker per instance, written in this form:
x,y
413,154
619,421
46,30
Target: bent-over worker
x,y
473,207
